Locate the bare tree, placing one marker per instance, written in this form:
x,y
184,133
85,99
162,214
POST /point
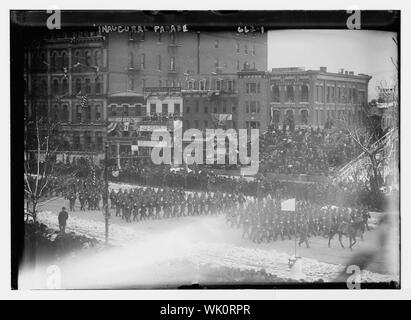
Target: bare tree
x,y
376,151
41,143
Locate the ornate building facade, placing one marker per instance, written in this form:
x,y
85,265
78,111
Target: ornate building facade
x,y
66,82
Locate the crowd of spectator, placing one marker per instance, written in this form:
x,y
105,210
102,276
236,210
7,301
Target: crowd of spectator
x,y
305,151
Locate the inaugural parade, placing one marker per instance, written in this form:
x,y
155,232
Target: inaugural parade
x,y
298,180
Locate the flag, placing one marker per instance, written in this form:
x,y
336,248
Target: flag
x,y
111,126
288,205
126,126
84,100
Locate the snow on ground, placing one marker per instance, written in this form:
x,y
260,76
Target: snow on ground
x,y
119,235
144,248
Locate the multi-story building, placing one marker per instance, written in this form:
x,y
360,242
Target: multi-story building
x,y
193,74
180,59
89,81
66,81
253,100
316,97
211,106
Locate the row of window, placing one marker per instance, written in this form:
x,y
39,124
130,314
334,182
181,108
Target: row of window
x,y
246,50
217,84
127,110
141,62
60,59
252,87
61,86
166,108
83,114
197,124
303,116
252,106
322,116
140,36
339,95
223,107
289,94
87,141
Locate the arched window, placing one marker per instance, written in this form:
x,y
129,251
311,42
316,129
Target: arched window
x,y
64,86
65,113
304,116
190,84
43,60
98,110
88,58
290,93
55,86
77,56
87,113
276,116
218,84
55,112
78,113
289,116
113,110
54,60
304,93
98,85
97,58
64,58
203,84
43,87
78,85
138,110
125,110
275,93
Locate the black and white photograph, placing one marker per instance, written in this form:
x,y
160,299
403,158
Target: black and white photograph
x,y
206,150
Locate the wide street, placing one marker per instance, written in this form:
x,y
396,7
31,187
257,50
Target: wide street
x,y
207,239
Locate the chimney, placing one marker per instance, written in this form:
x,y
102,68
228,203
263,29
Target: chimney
x,y
341,71
323,69
346,73
351,73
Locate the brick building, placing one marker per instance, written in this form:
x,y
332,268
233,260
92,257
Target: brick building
x,y
189,74
180,59
315,97
66,81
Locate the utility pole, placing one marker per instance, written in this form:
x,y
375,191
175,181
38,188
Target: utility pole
x,y
106,213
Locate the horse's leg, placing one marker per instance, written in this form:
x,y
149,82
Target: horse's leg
x,y
330,236
340,239
353,241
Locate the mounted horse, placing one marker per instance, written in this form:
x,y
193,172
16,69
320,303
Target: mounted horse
x,y
348,229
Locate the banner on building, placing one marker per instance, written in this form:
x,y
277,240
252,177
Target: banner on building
x,y
111,126
151,128
221,118
288,205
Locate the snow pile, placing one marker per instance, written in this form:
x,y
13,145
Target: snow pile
x,y
275,263
94,229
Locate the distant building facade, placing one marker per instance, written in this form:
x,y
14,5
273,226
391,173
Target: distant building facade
x,y
316,97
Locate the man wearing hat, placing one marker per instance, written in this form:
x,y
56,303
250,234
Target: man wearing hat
x,y
63,216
